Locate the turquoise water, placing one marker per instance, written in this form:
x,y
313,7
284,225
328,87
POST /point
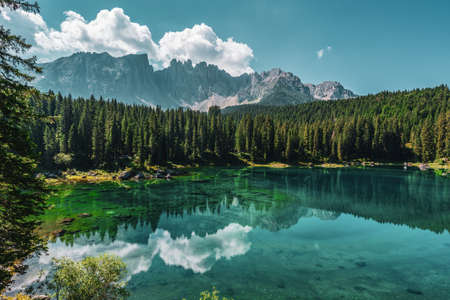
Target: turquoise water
x,y
258,233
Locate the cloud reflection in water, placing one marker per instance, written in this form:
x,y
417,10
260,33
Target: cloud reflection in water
x,y
195,253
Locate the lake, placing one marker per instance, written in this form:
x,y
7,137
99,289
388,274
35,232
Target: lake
x,y
260,233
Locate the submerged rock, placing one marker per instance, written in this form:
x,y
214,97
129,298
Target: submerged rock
x,y
361,264
414,291
359,288
84,215
67,221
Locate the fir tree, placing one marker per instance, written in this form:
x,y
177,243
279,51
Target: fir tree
x,y
21,194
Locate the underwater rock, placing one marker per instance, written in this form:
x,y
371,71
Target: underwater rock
x,y
67,221
84,215
361,264
414,291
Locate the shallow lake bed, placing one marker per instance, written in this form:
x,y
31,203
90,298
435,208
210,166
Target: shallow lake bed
x,y
263,233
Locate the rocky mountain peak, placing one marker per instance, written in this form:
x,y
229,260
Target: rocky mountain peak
x,y
330,90
132,79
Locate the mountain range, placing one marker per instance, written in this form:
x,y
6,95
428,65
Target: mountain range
x,y
131,79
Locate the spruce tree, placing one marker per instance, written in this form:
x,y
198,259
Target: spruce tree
x,y
441,136
21,194
427,138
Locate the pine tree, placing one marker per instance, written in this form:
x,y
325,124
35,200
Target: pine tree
x,y
427,138
98,139
21,194
447,135
441,136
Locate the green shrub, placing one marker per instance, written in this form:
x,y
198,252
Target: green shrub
x,y
214,295
93,278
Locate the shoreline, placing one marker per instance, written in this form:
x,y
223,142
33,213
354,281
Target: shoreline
x,y
98,176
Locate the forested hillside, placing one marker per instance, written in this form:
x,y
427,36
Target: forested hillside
x,y
398,126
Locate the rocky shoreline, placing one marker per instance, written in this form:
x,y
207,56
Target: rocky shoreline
x,y
98,176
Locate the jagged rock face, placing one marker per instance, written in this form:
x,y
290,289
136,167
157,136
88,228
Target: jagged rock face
x,y
82,74
132,80
187,85
276,87
330,90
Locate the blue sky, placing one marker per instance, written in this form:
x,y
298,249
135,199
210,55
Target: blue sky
x,y
373,45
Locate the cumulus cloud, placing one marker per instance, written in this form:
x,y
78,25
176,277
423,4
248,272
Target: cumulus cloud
x,y
21,22
321,52
200,43
113,31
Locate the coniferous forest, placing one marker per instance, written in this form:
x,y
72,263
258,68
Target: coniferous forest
x,y
388,127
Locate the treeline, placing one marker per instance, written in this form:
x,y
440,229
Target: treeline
x,y
91,133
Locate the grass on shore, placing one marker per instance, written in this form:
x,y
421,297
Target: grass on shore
x,y
98,176
93,176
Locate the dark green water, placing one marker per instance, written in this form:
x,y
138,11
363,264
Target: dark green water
x,y
267,233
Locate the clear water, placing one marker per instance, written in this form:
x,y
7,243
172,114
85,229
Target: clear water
x,y
266,233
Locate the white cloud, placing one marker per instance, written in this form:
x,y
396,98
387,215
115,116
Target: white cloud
x,y
114,32
24,23
111,31
321,52
200,43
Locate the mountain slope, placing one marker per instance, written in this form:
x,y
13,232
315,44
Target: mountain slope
x,y
131,79
330,90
